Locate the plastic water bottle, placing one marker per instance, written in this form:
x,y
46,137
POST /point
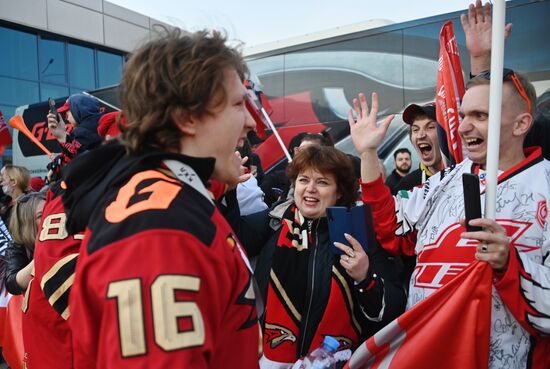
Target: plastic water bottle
x,y
322,357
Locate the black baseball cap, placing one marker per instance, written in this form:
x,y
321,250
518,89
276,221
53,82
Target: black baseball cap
x,y
414,110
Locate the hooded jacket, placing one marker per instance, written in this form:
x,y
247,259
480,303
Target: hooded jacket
x,y
86,112
149,219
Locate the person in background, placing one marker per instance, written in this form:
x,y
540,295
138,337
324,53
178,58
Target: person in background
x,y
249,194
275,185
16,180
46,331
402,162
15,183
37,184
423,135
254,139
325,139
322,139
109,123
254,163
24,224
82,112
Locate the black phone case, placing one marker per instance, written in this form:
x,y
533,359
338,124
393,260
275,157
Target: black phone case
x,y
51,103
472,200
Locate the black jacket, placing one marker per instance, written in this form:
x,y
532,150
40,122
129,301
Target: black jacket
x,y
16,258
410,181
275,186
393,180
259,233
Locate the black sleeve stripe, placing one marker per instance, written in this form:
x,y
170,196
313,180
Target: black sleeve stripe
x,y
341,281
61,305
56,283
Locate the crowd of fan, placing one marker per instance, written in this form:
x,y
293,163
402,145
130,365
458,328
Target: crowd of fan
x,y
166,228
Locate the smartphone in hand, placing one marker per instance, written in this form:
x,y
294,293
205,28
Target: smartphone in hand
x,y
51,103
472,200
357,222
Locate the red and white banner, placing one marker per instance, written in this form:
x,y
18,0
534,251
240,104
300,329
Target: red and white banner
x,y
450,89
450,329
5,137
256,101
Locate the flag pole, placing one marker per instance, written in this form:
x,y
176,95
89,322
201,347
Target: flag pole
x,y
272,127
495,105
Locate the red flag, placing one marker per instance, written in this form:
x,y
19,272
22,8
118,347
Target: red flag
x,y
5,297
450,89
5,137
12,340
255,102
450,329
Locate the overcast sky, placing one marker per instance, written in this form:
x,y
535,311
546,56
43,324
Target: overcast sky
x,y
258,22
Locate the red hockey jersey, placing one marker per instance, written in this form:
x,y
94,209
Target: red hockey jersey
x,y
161,281
46,333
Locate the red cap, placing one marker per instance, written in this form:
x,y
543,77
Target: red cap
x,y
64,107
37,183
108,124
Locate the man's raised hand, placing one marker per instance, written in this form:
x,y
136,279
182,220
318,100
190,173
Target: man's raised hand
x,y
366,135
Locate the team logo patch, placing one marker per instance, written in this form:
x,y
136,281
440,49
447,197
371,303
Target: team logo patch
x,y
145,191
276,334
542,213
442,260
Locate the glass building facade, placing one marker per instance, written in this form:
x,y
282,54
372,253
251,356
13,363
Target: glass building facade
x,y
36,65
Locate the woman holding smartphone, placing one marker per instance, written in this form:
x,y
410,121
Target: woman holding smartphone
x,y
308,290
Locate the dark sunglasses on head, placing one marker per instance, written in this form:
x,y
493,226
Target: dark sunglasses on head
x,y
510,75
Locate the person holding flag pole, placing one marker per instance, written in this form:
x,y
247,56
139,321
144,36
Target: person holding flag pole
x,y
428,222
439,147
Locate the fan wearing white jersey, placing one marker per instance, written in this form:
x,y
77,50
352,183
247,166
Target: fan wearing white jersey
x,y
428,222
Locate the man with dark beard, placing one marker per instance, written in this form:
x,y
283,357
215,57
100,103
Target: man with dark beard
x,y
402,162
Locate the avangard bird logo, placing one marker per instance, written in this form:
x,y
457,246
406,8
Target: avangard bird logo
x,y
276,334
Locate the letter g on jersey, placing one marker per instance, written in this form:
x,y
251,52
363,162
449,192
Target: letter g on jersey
x,y
149,190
